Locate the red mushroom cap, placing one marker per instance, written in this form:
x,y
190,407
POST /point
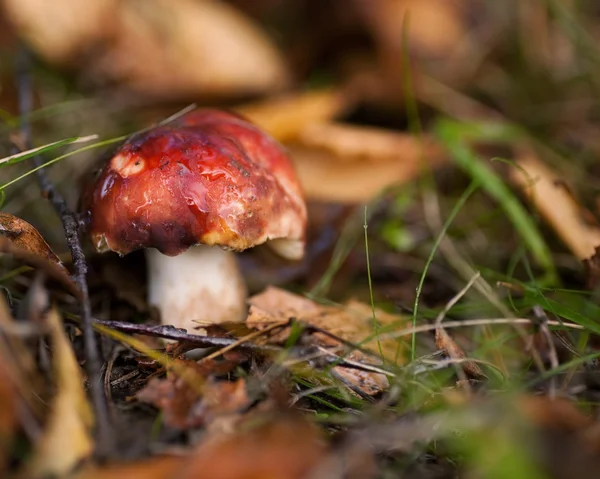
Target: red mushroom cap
x,y
209,177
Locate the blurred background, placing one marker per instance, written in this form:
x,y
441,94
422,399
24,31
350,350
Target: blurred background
x,y
352,88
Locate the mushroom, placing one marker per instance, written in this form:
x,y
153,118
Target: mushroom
x,y
191,192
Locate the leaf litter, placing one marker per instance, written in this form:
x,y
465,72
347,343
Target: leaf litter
x,y
313,386
67,439
186,405
336,328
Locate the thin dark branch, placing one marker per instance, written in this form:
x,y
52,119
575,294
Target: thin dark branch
x,y
70,224
177,334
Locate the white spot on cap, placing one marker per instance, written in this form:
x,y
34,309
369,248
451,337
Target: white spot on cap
x,y
127,165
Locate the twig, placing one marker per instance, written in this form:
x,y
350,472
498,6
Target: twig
x,y
178,334
455,299
542,317
128,376
468,323
300,354
445,342
70,225
246,339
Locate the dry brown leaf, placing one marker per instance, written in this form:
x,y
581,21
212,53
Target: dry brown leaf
x,y
23,242
433,30
351,322
367,159
285,117
444,342
67,439
213,48
60,30
434,27
168,48
287,448
367,382
184,406
349,143
556,205
25,237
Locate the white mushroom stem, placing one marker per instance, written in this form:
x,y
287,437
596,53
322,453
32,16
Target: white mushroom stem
x,y
201,286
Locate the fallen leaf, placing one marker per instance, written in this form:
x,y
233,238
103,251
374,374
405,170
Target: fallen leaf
x,y
60,30
185,406
366,382
214,49
283,448
430,31
352,322
67,438
25,237
285,117
329,157
432,28
557,206
350,143
444,342
23,242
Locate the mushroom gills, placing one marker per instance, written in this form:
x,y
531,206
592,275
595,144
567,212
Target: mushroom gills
x,y
199,287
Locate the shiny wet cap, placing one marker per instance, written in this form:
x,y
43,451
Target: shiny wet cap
x,y
209,177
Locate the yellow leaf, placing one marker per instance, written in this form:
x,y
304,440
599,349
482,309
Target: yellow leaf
x,y
67,439
285,117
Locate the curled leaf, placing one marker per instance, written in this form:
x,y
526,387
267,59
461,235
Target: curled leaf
x,y
22,241
557,206
444,342
25,237
329,157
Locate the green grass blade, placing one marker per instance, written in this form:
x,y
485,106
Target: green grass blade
x,y
17,158
457,207
62,157
447,133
